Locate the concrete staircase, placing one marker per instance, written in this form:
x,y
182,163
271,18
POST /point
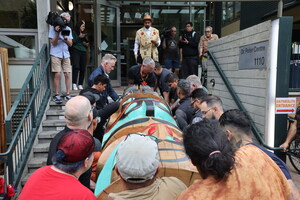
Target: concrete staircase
x,y
53,123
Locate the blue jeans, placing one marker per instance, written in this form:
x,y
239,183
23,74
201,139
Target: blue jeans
x,y
171,63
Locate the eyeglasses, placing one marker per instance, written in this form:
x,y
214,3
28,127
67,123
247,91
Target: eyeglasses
x,y
92,108
207,31
193,102
98,120
205,112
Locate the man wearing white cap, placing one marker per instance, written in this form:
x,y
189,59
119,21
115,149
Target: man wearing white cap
x,y
137,164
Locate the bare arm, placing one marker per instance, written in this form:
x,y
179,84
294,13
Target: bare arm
x,y
166,97
163,45
290,136
69,42
55,39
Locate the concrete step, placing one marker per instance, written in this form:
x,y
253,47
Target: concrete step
x,y
25,178
55,114
54,106
54,122
35,163
47,136
54,125
41,150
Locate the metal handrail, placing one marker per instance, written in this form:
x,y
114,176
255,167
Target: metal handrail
x,y
238,102
25,116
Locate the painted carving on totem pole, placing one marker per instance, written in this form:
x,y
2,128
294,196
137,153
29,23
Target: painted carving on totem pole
x,y
144,111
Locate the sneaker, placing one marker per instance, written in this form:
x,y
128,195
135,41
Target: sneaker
x,y
68,97
75,86
80,87
57,99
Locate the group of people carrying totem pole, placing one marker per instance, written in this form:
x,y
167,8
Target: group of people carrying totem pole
x,y
219,143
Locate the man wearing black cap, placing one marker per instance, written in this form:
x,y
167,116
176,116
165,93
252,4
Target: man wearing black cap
x,y
74,156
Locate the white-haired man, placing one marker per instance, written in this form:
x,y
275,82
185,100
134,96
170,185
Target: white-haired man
x,y
108,64
142,74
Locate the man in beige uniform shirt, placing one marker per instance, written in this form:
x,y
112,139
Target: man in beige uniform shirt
x,y
146,41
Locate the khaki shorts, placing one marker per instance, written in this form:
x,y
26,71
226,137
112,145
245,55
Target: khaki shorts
x,y
58,64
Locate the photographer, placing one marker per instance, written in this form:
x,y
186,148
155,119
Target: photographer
x,y
171,51
78,54
60,39
189,41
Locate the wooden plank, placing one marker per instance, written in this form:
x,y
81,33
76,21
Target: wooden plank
x,y
7,103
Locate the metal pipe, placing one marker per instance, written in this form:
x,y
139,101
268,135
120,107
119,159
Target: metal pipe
x,y
280,7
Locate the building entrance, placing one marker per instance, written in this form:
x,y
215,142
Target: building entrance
x,y
116,23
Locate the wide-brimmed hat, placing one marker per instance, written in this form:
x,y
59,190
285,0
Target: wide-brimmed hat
x,y
147,17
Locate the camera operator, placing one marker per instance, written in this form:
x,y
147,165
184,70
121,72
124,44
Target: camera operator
x,y
171,50
78,54
188,46
61,39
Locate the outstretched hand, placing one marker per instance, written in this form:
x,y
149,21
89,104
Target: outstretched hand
x,y
285,147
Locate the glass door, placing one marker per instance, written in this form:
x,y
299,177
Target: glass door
x,y
108,36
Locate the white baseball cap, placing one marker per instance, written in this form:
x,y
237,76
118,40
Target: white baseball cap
x,y
137,158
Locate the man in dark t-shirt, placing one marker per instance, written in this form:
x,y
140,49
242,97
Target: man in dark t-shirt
x,y
142,74
171,51
161,74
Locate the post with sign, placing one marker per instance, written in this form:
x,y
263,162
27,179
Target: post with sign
x,y
285,105
282,84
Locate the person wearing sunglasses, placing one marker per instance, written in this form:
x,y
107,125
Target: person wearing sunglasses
x,y
137,164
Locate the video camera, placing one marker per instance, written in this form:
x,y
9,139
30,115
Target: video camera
x,y
166,32
54,19
86,38
182,33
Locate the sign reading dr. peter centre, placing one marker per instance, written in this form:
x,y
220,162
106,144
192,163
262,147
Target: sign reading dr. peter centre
x,y
253,56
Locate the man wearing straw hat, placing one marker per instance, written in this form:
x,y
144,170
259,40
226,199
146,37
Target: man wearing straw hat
x,y
146,41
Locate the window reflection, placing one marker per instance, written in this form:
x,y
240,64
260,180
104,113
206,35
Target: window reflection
x,y
19,46
18,15
231,12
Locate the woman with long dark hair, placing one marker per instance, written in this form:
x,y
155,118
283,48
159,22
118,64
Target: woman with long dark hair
x,y
78,54
243,174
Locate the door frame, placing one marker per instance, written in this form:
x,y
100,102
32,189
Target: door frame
x,y
117,51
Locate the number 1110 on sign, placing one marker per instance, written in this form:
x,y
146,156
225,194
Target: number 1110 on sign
x,y
259,61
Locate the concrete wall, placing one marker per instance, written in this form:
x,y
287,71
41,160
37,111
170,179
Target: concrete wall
x,y
249,84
